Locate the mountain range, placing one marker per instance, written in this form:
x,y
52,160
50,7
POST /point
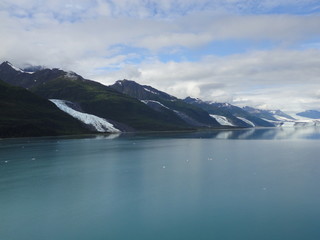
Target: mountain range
x,y
314,114
85,106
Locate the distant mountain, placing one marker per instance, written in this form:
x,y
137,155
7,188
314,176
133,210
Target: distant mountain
x,y
218,111
314,114
24,114
161,101
272,115
125,112
233,114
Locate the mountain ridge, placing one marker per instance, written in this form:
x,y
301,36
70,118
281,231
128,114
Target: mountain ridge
x,y
127,104
313,114
190,114
236,115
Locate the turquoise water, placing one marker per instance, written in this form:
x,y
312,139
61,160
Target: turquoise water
x,y
238,185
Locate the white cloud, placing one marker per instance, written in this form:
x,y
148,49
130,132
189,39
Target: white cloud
x,y
45,40
83,36
284,79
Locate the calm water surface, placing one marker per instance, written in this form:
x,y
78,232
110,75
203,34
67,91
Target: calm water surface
x,y
238,185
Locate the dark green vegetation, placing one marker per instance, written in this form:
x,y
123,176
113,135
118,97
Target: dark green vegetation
x,y
93,98
25,114
128,105
105,102
188,113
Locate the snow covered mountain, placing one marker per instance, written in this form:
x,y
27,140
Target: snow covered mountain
x,y
279,118
129,106
232,115
94,98
314,114
269,115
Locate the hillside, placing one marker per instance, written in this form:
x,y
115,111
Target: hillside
x,y
126,113
102,101
154,98
25,114
235,115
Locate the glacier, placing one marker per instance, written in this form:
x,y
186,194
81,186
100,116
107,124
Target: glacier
x,y
246,121
148,90
99,124
155,102
222,120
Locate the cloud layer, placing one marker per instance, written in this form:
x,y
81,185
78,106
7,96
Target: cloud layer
x,y
263,53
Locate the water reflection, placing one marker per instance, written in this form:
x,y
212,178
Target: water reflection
x,y
253,133
263,133
312,132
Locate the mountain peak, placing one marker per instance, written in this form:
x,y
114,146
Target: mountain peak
x,y
9,67
18,77
6,64
192,100
139,91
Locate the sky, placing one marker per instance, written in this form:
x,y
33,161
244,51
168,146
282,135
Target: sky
x,y
260,53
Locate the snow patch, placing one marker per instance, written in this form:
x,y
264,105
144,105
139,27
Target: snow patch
x,y
100,124
71,75
18,69
281,118
246,121
156,102
222,120
148,90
